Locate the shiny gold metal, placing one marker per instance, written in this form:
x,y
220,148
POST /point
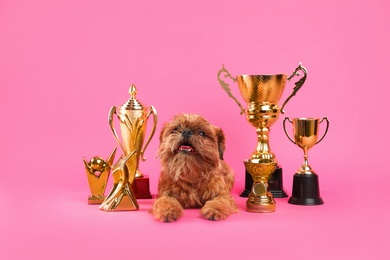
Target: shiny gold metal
x,y
98,172
260,199
121,196
133,118
305,135
261,93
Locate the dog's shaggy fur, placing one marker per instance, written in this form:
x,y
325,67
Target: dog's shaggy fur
x,y
194,174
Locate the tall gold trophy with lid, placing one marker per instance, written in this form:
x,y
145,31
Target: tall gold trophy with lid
x,y
262,94
133,117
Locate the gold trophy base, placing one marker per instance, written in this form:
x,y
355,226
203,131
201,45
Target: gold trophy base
x,y
96,199
260,201
121,198
141,187
260,208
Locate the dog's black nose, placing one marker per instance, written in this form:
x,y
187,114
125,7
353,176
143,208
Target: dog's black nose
x,y
186,133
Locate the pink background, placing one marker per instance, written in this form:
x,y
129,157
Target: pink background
x,y
63,64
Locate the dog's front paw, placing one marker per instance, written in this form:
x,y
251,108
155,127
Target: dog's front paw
x,y
167,209
212,213
218,209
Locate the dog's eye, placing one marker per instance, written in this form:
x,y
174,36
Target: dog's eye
x,y
175,130
201,133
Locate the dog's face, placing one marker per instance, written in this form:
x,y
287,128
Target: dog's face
x,y
192,138
193,174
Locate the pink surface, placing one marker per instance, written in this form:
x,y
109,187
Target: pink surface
x,y
63,64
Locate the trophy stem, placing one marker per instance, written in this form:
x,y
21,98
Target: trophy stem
x,y
138,174
305,157
305,168
263,150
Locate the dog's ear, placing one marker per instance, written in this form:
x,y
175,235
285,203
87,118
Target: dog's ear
x,y
163,129
221,141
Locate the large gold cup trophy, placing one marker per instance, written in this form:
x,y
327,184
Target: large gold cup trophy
x,y
133,117
261,93
306,190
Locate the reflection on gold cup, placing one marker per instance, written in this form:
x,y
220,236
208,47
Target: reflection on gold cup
x,y
261,94
305,184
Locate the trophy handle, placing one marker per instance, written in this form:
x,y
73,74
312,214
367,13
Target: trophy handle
x,y
326,130
225,86
154,112
298,84
285,131
111,123
86,165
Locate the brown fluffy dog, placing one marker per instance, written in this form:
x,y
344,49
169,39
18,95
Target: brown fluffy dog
x,y
193,173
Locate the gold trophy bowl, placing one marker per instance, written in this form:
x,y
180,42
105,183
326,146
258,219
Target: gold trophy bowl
x,y
306,189
262,94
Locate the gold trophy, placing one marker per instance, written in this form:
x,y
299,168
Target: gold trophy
x,y
262,94
306,189
98,172
133,119
121,196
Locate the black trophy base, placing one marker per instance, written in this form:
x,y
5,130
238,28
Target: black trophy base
x,y
306,190
275,183
140,187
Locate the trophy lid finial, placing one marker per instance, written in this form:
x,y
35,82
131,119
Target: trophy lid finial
x,y
133,91
132,103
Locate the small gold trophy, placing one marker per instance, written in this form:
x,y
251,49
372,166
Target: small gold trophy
x,y
133,117
98,172
262,94
306,189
